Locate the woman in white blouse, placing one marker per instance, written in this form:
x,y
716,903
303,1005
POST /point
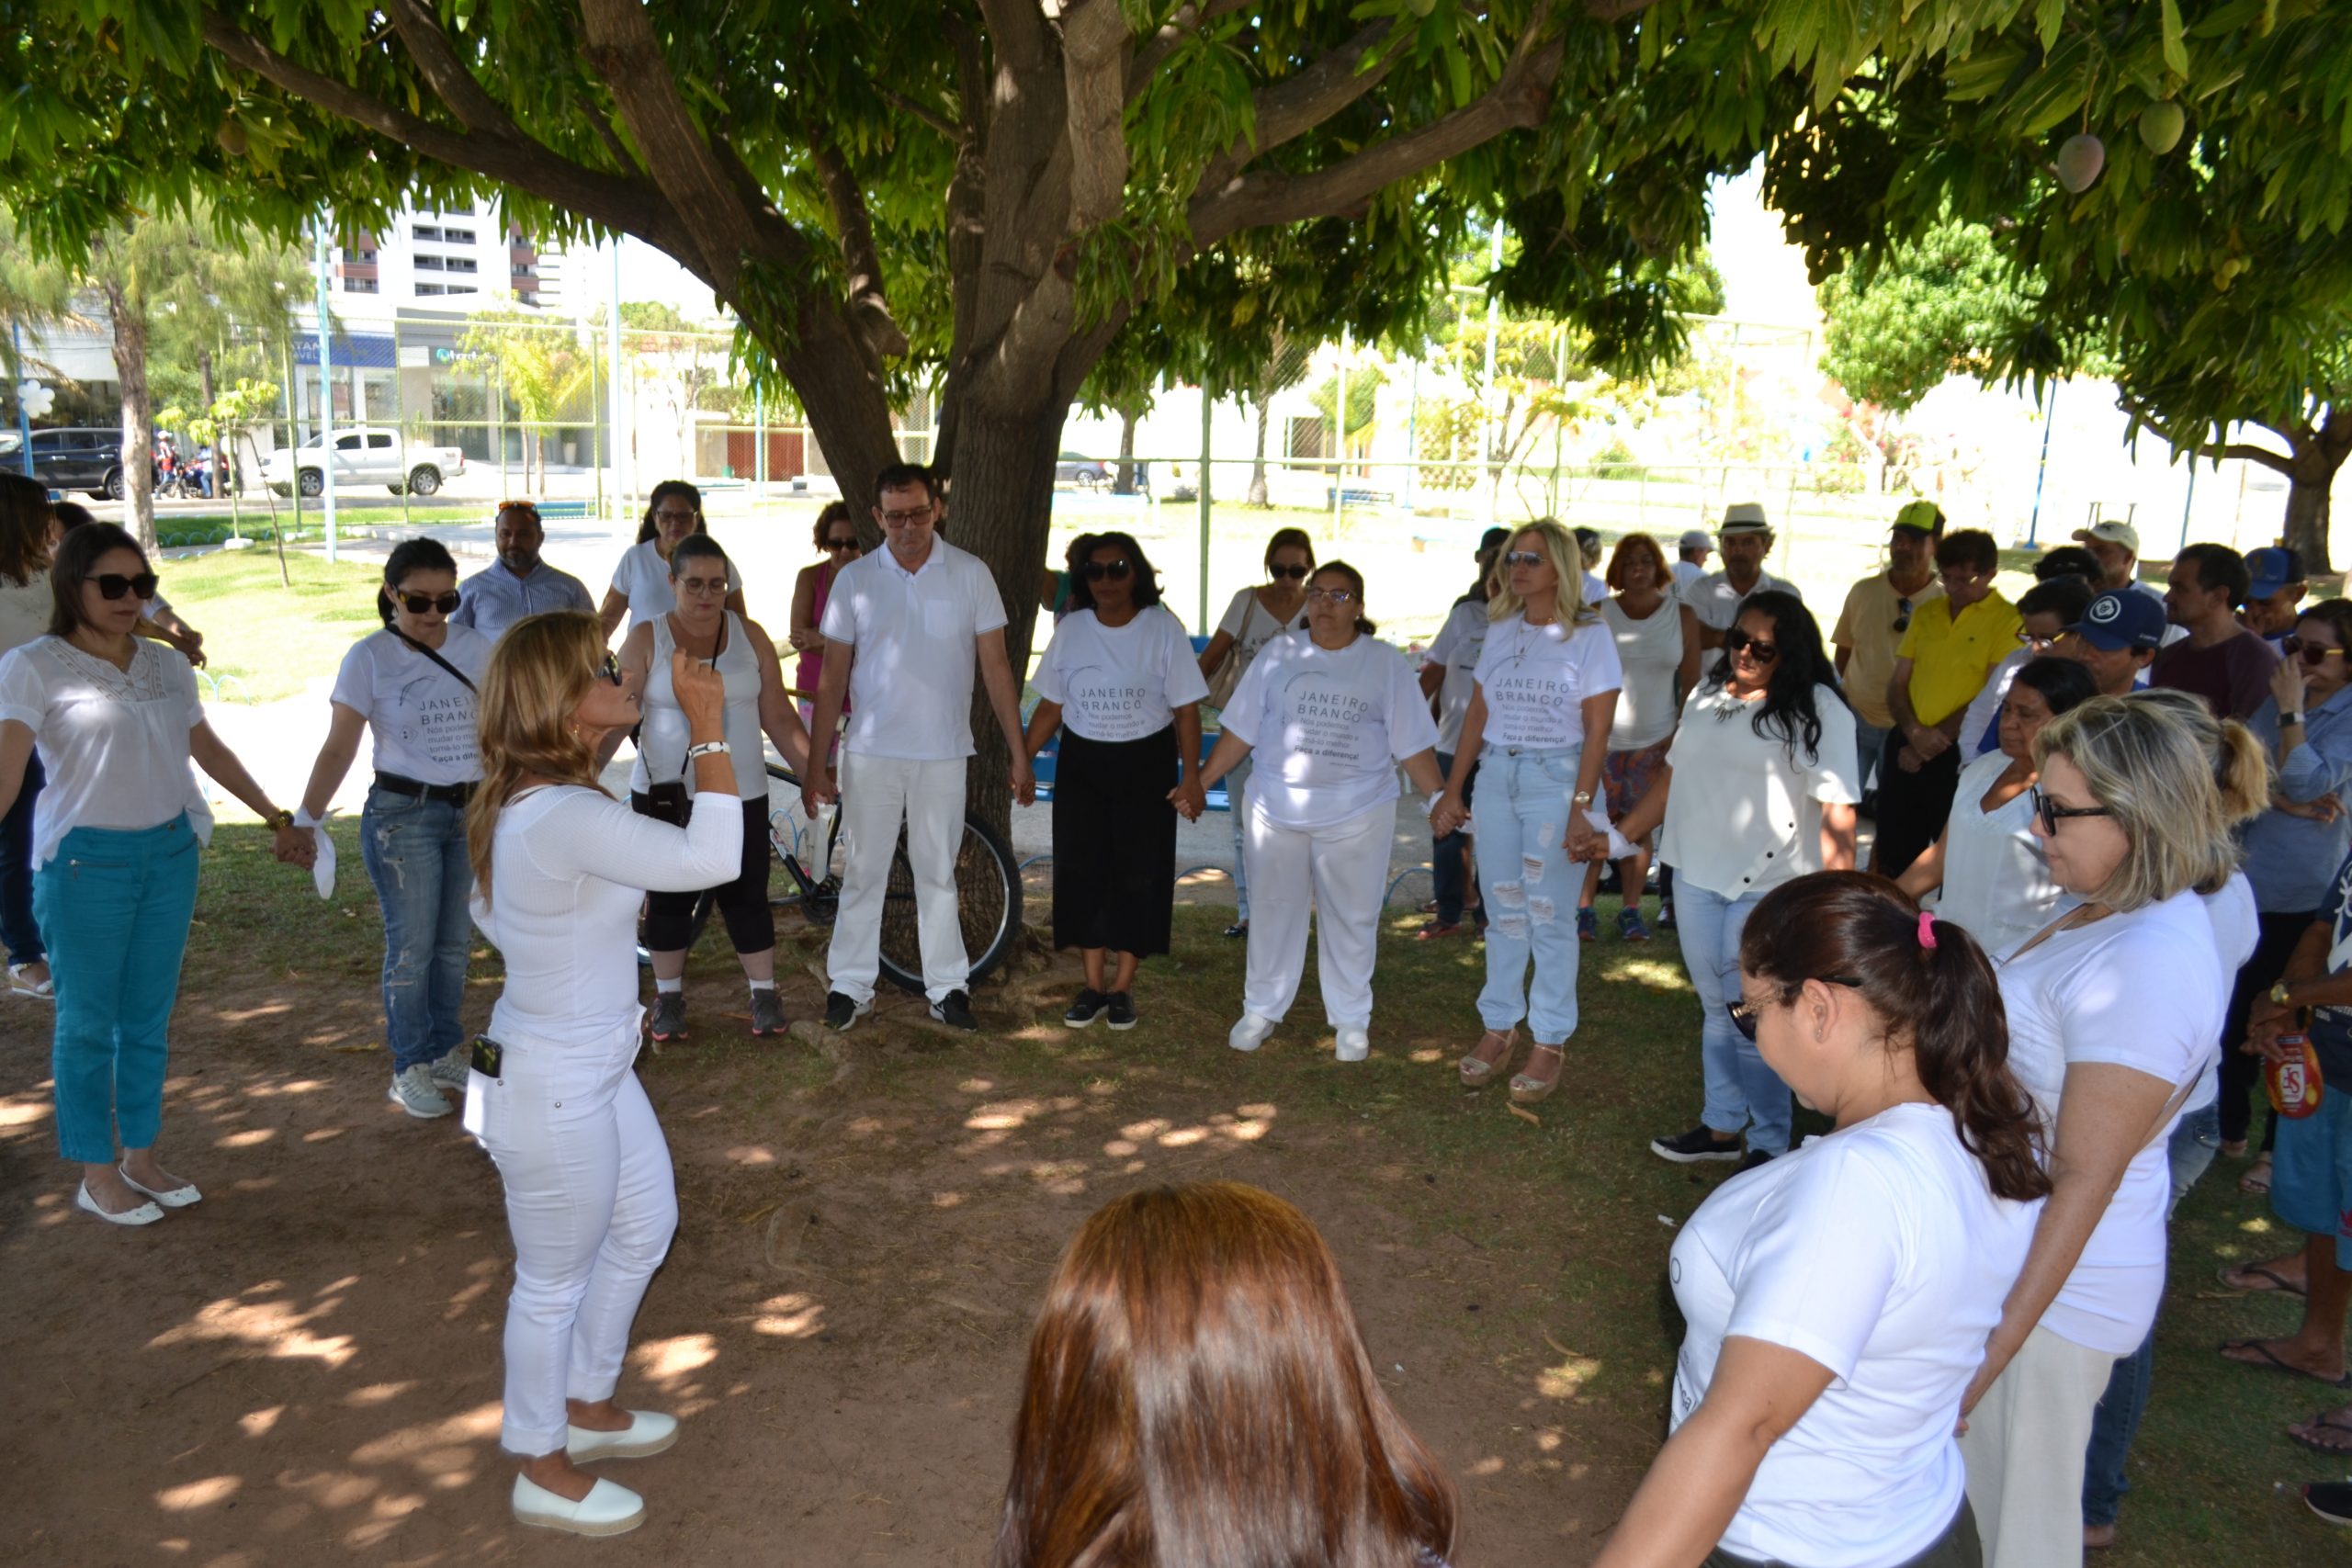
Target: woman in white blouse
x,y
1258,615
25,604
1120,685
117,720
662,785
410,688
1988,863
1329,716
640,590
1758,789
2115,1016
1657,648
560,869
1543,699
1837,1298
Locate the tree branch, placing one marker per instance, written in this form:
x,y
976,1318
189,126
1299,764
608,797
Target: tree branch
x,y
1188,19
1094,49
420,33
868,305
1296,105
921,116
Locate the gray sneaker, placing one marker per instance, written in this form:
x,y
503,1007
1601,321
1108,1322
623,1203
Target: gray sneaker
x,y
767,1011
453,1070
414,1091
669,1016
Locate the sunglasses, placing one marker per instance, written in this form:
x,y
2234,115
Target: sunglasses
x,y
2310,652
1332,595
114,585
415,603
611,669
2050,815
1095,570
1903,614
1760,651
1744,1018
1522,558
848,544
1292,572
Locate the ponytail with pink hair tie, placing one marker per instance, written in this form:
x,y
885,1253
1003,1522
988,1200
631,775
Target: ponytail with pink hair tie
x,y
1927,930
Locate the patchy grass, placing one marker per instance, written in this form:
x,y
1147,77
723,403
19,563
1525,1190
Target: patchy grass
x,y
264,641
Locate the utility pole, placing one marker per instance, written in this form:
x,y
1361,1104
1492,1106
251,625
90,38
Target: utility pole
x,y
326,396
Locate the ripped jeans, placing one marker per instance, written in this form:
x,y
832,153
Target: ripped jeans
x,y
415,853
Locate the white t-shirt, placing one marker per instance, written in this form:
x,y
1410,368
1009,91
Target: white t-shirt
x,y
1595,590
1687,572
1535,679
2144,990
114,741
1251,625
25,609
914,634
1457,652
1878,1252
1649,655
1986,706
1716,602
1744,815
1997,886
2237,927
1120,683
643,579
1327,728
420,717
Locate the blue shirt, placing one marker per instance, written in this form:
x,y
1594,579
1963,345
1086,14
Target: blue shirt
x,y
495,598
2290,859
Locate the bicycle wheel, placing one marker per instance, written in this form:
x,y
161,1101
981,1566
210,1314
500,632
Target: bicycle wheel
x,y
988,905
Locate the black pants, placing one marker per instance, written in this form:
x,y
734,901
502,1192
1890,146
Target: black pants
x,y
1912,808
1115,842
2241,1072
742,903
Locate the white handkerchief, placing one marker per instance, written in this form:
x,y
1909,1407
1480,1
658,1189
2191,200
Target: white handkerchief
x,y
323,869
1619,849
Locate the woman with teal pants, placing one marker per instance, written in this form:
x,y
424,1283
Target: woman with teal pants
x,y
117,720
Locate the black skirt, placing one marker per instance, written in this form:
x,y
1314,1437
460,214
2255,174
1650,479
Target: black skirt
x,y
1115,842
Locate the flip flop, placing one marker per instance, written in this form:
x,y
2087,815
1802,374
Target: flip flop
x,y
2280,1284
2272,1362
2257,1177
2322,1423
39,990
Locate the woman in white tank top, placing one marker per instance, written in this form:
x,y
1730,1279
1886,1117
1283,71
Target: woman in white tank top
x,y
661,786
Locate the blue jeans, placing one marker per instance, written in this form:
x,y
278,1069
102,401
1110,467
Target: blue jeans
x,y
415,855
1448,852
1530,888
2116,1420
19,931
116,906
1742,1092
1870,750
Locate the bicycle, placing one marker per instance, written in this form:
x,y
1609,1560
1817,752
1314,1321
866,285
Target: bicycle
x,y
988,887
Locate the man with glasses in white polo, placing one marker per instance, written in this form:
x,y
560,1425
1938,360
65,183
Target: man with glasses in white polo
x,y
905,628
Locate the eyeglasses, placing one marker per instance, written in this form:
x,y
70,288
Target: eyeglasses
x,y
114,585
415,603
1292,572
671,514
1744,1018
703,587
1095,570
610,669
912,514
1903,614
848,544
2050,815
2310,652
1331,595
2039,643
1762,652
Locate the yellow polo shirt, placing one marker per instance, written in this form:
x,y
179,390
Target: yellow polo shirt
x,y
1951,657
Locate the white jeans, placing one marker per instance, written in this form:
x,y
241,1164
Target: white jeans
x,y
2024,1448
592,1205
878,794
1345,866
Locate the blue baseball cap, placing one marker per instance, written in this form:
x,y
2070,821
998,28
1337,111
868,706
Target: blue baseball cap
x,y
2271,568
2121,618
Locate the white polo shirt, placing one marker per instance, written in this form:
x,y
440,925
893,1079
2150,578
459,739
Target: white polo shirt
x,y
913,634
1716,602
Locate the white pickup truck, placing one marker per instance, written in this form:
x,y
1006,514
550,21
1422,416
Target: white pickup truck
x,y
364,456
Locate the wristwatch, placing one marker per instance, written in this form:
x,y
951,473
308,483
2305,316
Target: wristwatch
x,y
281,818
2287,718
1581,797
2280,994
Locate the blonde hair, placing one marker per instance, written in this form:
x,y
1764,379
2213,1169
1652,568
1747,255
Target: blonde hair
x,y
538,673
2242,771
2173,787
1558,548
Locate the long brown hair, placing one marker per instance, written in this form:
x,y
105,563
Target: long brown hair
x,y
24,528
1197,1393
1941,1002
537,672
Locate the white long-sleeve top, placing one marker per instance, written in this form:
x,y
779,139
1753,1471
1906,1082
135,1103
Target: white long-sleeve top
x,y
568,869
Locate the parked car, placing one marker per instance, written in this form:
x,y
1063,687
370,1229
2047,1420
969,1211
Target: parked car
x,y
1078,469
83,457
364,456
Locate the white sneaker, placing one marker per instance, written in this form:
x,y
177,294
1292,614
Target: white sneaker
x,y
453,1070
1356,1044
649,1432
609,1508
1250,1033
416,1092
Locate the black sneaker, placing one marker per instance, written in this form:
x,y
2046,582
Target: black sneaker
x,y
1750,1161
955,1011
1237,931
1089,1006
841,1013
1699,1144
669,1016
2331,1500
1123,1011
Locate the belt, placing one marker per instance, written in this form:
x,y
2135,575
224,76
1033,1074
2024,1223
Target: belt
x,y
453,795
1539,752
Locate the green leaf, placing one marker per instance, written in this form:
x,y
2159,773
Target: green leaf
x,y
2176,48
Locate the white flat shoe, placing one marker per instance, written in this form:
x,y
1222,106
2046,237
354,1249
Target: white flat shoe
x,y
172,1197
648,1432
1356,1044
609,1508
1250,1033
145,1215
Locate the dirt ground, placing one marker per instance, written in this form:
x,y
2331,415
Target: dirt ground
x,y
305,1367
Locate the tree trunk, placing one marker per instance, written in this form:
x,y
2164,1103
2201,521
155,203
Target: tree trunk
x,y
204,375
1258,456
1123,480
138,415
849,415
2307,514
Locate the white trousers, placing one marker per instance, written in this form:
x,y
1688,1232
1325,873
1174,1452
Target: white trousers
x,y
592,1205
877,795
2024,1449
1345,868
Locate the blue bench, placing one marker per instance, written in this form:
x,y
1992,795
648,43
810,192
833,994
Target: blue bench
x,y
569,511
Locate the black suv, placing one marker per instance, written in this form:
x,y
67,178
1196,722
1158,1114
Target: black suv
x,y
71,458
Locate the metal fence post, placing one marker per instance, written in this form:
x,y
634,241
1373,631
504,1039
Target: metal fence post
x,y
400,418
1207,408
